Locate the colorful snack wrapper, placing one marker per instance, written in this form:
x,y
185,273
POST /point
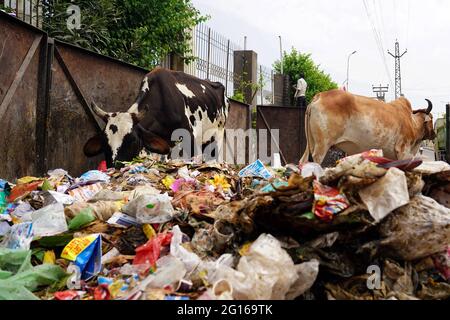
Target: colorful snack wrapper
x,y
256,169
86,253
328,202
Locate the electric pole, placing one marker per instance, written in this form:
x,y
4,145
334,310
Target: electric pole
x,y
381,92
398,75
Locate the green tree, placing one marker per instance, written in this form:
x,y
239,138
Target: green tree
x,y
296,63
141,32
96,19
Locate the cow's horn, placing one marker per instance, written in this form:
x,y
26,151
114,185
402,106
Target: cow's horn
x,y
138,111
430,106
99,112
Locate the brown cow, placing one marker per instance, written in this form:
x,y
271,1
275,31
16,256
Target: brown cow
x,y
356,124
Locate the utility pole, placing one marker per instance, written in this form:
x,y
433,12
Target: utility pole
x,y
398,75
381,92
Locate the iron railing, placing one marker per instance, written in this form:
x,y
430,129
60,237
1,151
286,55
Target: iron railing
x,y
28,11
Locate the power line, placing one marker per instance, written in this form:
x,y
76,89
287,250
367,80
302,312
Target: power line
x,y
408,24
378,41
395,18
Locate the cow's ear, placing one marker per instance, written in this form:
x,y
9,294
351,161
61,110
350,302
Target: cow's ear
x,y
94,146
153,142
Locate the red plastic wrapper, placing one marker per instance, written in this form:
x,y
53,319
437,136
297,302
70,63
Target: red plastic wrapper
x,y
149,253
442,263
102,166
102,292
328,202
66,295
22,189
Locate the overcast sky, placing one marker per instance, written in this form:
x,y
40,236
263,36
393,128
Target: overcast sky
x,y
330,30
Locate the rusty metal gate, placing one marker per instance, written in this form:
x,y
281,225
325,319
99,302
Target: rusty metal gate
x,y
290,121
46,87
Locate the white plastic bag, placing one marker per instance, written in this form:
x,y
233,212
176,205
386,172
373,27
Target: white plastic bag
x,y
170,271
19,236
49,221
189,259
23,212
268,268
310,169
151,208
386,195
51,197
267,272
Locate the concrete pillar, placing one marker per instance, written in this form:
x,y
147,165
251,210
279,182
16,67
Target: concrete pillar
x,y
281,90
246,70
176,62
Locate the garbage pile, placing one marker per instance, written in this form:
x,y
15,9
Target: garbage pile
x,y
367,229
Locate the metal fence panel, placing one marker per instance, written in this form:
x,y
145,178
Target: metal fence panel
x,y
213,57
239,117
20,53
291,123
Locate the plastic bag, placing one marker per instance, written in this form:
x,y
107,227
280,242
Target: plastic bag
x,y
417,230
268,268
19,236
143,190
49,221
311,169
4,228
51,197
267,272
108,195
328,202
386,195
102,210
81,219
20,277
170,271
95,175
356,166
23,212
189,259
151,208
149,252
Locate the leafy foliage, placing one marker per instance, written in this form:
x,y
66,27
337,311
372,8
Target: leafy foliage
x,y
296,63
96,17
141,32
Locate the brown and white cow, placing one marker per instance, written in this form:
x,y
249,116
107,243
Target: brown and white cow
x,y
356,124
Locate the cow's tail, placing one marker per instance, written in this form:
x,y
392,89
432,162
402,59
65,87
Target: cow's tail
x,y
309,142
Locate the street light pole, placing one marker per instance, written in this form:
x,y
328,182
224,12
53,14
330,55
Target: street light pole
x,y
348,68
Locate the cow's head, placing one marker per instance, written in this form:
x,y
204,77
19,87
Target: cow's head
x,y
426,118
123,137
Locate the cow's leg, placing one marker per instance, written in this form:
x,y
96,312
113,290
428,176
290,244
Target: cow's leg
x,y
319,151
220,138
